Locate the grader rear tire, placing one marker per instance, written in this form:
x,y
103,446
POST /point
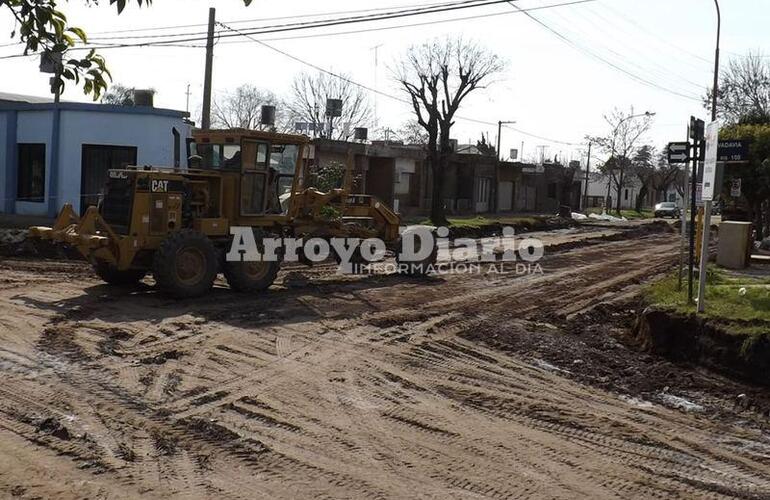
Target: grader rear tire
x,y
186,264
249,277
113,276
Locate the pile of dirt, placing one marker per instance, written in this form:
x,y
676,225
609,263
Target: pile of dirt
x,y
523,226
601,347
688,337
16,243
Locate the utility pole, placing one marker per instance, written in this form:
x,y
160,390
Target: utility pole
x,y
187,108
588,169
376,50
206,114
693,203
684,215
57,88
495,200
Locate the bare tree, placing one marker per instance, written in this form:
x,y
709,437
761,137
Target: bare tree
x,y
744,90
438,76
307,103
411,132
241,108
627,130
119,95
666,175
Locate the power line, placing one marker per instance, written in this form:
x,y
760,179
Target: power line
x,y
375,91
413,11
242,33
280,18
411,25
656,35
181,42
640,61
446,7
588,52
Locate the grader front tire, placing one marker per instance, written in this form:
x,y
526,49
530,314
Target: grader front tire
x,y
186,264
113,276
249,277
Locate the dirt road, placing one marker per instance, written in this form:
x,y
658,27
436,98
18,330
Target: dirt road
x,y
460,386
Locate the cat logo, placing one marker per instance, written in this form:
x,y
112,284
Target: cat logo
x,y
159,186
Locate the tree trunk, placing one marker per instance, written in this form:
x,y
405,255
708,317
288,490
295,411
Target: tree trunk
x,y
619,202
437,209
640,198
438,212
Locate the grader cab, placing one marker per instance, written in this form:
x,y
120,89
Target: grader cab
x,y
175,223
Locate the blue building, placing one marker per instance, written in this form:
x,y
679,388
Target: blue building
x,y
51,154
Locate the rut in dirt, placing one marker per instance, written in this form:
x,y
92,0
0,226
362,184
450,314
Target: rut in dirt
x,y
377,387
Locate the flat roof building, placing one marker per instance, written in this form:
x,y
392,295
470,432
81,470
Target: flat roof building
x,y
51,154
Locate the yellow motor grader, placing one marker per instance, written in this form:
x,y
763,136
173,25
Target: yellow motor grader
x,y
175,222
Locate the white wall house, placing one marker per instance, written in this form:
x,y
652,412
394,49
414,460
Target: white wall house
x,y
51,154
598,189
597,192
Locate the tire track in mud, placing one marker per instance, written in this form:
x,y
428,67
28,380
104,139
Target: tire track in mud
x,y
379,404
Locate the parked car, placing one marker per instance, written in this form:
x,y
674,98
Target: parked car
x,y
667,209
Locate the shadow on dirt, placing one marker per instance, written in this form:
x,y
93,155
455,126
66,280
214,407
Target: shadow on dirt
x,y
280,305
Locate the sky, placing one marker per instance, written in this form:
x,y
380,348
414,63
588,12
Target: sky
x,y
565,66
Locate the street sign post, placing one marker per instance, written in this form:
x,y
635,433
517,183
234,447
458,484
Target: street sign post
x,y
697,130
678,152
709,178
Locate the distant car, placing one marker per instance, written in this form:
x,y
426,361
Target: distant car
x,y
667,209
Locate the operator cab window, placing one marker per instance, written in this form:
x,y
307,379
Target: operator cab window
x,y
254,155
283,163
253,164
217,156
231,153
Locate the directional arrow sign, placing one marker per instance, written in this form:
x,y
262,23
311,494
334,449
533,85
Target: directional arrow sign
x,y
678,152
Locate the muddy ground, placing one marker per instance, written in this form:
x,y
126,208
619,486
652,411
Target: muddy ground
x,y
494,385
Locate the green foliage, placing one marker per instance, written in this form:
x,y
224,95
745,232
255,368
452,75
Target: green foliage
x,y
756,173
742,314
744,90
42,28
327,177
119,95
329,212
